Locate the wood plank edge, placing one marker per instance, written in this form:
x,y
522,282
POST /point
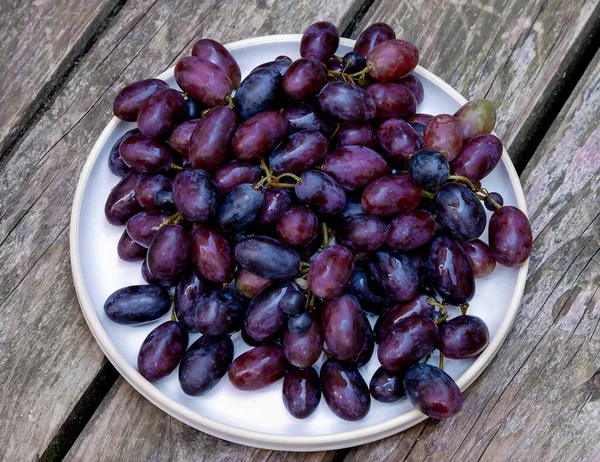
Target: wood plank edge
x,y
357,18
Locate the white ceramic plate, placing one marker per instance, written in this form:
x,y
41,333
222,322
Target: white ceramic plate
x,y
259,418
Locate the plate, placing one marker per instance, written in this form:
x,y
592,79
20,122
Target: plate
x,y
259,418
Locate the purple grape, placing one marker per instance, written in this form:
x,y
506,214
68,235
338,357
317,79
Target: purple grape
x,y
432,391
140,304
419,130
480,256
346,102
161,112
354,167
300,324
395,273
510,236
193,109
143,226
120,204
303,350
219,312
422,119
391,195
258,368
188,293
250,285
321,192
129,250
162,350
368,294
293,303
277,200
304,78
372,36
115,162
331,272
356,135
344,330
463,337
476,117
145,155
392,100
299,153
235,173
364,233
203,80
428,168
129,100
450,271
164,200
368,346
386,386
258,135
412,82
169,252
417,305
353,208
353,62
392,60
497,198
478,157
344,390
212,254
460,211
301,392
398,140
320,41
211,140
195,195
260,91
151,279
204,364
267,257
443,134
146,189
240,208
297,226
307,116
180,136
216,53
264,321
411,230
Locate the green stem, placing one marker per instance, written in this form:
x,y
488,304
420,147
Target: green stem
x,y
463,179
288,175
463,308
266,169
260,184
487,194
277,184
337,128
427,194
441,363
325,236
176,167
174,219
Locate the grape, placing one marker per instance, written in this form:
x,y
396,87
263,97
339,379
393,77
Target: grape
x,y
120,203
164,200
129,100
297,226
161,112
419,258
240,208
276,201
395,273
145,155
300,324
364,233
304,78
439,318
353,208
331,272
320,40
115,162
219,312
345,391
204,81
366,291
188,293
235,173
321,192
142,227
258,368
422,119
137,304
412,82
392,100
299,153
264,320
460,211
432,391
195,195
346,102
204,363
211,140
280,66
372,36
476,118
146,189
356,135
216,53
411,230
407,343
301,392
193,109
478,157
392,60
260,91
354,166
443,134
267,257
211,254
510,236
497,198
428,168
398,140
386,386
417,305
303,350
250,285
419,130
391,195
129,250
480,256
151,279
450,272
333,64
307,116
162,350
353,62
463,337
368,346
293,303
258,135
344,330
169,252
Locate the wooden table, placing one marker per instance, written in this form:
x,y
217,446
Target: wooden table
x,y
64,60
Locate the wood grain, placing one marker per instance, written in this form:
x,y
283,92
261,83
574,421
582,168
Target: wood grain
x,y
40,39
538,400
52,356
517,54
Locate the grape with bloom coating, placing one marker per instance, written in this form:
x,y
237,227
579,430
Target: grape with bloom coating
x,y
115,162
162,350
372,36
428,168
129,100
267,257
139,304
411,230
240,208
395,273
169,252
476,118
398,140
478,157
145,155
346,102
219,312
414,84
301,392
212,254
354,167
418,305
432,391
216,53
258,135
344,390
460,211
344,330
195,195
300,152
211,139
463,337
277,200
480,256
234,173
321,192
307,116
129,250
364,233
392,100
304,78
297,226
120,204
386,386
303,350
331,272
510,236
260,91
320,40
391,195
143,226
161,112
356,135
188,293
146,189
264,321
203,80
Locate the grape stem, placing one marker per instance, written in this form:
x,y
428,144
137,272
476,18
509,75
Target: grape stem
x,y
337,127
463,179
303,264
174,219
487,195
463,308
339,58
173,315
289,175
441,363
427,194
266,169
176,167
427,358
325,236
441,307
229,101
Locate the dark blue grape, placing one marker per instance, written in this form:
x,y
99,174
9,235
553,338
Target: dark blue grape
x,y
460,211
345,391
137,304
300,324
301,391
162,350
432,391
428,168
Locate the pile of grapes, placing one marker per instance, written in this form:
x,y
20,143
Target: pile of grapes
x,y
290,203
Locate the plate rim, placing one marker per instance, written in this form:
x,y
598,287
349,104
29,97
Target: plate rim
x,y
262,439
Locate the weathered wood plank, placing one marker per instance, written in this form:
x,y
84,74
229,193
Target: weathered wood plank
x,y
538,400
517,54
39,42
53,357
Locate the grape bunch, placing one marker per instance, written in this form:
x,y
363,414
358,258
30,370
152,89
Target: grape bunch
x,y
289,204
